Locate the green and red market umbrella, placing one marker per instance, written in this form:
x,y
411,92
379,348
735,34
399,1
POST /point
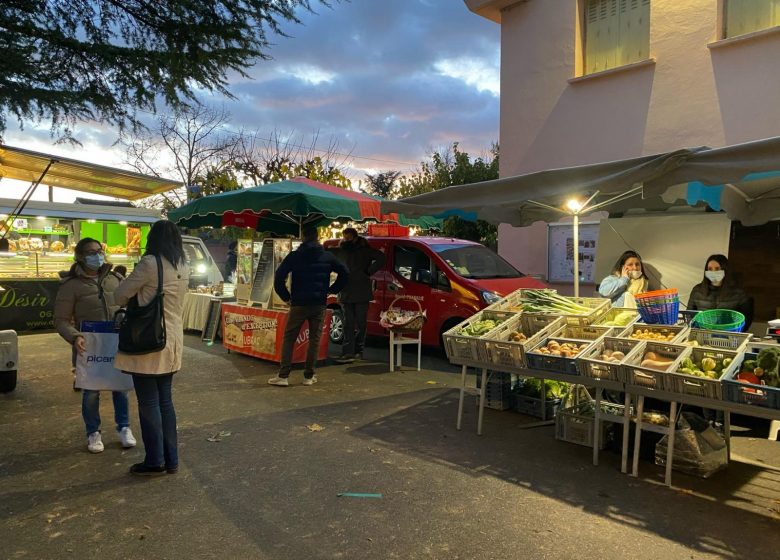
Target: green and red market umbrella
x,y
286,207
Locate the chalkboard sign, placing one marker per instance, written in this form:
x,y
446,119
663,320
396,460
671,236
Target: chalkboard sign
x,y
212,321
263,284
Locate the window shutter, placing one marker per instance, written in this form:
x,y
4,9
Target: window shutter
x,y
617,32
747,16
601,35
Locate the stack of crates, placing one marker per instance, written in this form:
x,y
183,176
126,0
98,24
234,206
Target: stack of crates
x,y
498,393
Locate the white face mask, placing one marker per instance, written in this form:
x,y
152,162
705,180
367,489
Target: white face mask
x,y
715,276
635,274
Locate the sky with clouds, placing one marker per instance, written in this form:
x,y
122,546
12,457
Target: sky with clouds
x,y
388,80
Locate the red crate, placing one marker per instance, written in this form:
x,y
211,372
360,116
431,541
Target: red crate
x,y
388,230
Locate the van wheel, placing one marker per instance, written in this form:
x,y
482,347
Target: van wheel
x,y
337,326
7,381
448,324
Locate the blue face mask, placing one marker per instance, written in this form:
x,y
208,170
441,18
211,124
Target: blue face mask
x,y
94,262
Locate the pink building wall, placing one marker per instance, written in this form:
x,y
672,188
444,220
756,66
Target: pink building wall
x,y
695,90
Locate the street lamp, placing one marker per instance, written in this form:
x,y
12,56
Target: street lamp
x,y
574,206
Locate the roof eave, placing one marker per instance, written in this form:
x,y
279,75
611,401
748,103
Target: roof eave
x,y
491,9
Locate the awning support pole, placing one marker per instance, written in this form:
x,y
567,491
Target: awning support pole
x,y
24,200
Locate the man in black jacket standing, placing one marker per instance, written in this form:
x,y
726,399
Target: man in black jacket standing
x,y
362,260
310,267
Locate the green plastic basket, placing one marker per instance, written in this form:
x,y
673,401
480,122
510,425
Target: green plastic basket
x,y
719,320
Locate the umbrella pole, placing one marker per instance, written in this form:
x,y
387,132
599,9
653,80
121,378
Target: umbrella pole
x,y
576,254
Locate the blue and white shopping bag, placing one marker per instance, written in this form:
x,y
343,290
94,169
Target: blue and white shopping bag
x,y
95,368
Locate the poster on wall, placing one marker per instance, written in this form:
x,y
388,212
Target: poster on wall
x,y
263,282
561,250
244,269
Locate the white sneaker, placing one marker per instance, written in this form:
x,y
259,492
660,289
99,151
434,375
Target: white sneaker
x,y
95,443
310,381
126,438
280,381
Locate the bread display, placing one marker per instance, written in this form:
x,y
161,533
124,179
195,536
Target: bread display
x,y
57,246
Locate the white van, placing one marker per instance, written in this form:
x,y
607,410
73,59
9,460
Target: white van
x,y
203,269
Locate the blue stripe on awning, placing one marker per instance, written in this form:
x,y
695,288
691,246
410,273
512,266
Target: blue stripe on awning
x,y
698,191
468,216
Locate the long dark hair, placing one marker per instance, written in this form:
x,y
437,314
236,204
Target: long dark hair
x,y
78,254
728,281
164,240
618,268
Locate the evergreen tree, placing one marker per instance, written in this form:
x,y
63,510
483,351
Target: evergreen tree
x,y
103,60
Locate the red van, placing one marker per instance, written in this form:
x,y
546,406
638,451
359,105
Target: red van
x,y
452,279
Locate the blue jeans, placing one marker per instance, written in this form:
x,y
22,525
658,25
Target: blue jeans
x,y
158,419
90,409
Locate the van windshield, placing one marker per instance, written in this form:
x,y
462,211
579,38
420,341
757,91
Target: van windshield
x,y
475,261
193,252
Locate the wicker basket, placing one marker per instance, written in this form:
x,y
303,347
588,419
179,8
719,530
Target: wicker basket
x,y
412,325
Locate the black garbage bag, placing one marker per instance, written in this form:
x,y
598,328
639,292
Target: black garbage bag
x,y
698,449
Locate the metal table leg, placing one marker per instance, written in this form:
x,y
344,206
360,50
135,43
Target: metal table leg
x,y
597,426
670,443
462,392
482,391
727,433
640,405
626,428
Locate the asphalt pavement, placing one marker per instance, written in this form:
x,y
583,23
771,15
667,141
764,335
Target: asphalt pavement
x,y
364,464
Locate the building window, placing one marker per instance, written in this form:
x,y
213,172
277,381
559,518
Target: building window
x,y
617,32
747,16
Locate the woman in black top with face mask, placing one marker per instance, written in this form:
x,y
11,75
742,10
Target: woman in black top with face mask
x,y
717,290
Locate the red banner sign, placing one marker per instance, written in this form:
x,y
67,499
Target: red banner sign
x,y
260,332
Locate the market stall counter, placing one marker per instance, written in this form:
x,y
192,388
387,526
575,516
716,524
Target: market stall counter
x,y
195,314
259,332
587,344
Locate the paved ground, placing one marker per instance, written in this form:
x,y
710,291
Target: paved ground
x,y
257,482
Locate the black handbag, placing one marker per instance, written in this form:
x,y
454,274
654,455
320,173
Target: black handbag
x,y
142,329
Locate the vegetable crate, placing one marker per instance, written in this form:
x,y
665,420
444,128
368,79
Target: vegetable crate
x,y
592,363
710,388
588,332
463,347
558,364
532,406
503,352
749,393
599,307
718,339
498,390
650,377
576,424
613,312
676,333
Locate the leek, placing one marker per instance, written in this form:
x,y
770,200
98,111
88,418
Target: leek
x,y
548,301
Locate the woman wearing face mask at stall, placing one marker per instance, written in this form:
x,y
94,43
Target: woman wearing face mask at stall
x,y
718,291
627,280
85,294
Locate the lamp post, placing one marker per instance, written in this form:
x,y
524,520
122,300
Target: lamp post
x,y
575,206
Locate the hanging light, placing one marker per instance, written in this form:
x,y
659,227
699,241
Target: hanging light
x,y
574,205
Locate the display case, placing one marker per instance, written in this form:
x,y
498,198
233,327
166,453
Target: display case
x,y
41,244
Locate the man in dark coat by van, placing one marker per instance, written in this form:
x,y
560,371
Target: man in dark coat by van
x,y
310,267
362,260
